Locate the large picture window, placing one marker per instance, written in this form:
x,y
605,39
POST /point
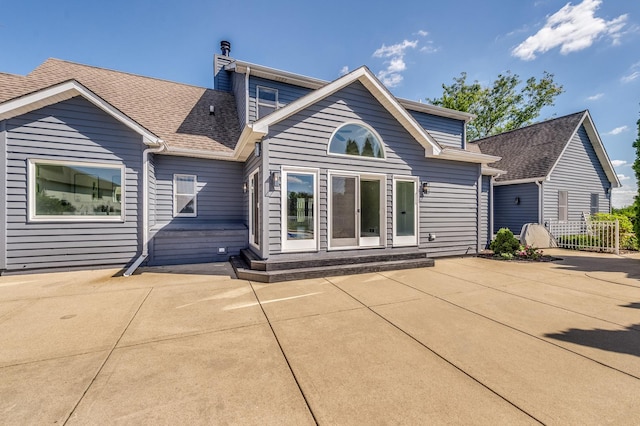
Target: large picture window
x,y
357,140
60,190
185,199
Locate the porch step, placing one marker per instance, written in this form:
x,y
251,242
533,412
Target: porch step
x,y
303,271
336,259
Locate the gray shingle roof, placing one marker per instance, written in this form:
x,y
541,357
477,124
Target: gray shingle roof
x,y
530,152
177,113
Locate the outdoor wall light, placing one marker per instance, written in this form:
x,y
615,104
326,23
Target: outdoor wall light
x,y
517,200
245,187
275,179
425,188
258,149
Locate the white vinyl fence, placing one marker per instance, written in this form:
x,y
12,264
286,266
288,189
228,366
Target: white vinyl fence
x,y
591,235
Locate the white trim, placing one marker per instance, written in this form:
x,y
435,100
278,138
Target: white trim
x,y
252,194
315,83
492,171
361,242
540,201
519,181
466,156
288,246
265,89
176,213
368,127
376,88
31,192
64,91
400,241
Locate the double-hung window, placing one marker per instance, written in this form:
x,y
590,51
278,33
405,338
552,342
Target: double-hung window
x,y
75,191
185,199
267,100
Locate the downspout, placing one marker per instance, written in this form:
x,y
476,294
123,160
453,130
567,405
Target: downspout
x,y
246,95
145,207
493,179
540,201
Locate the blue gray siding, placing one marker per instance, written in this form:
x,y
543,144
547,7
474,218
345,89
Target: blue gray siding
x,y
220,220
508,214
287,93
447,131
221,78
73,130
449,210
3,197
485,205
152,190
580,173
239,92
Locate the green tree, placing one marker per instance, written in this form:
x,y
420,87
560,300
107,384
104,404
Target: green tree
x,y
367,149
636,169
504,105
352,148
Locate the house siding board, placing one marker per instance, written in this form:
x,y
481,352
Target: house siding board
x,y
446,131
508,214
219,223
449,210
239,92
221,78
580,173
73,130
152,189
485,232
287,93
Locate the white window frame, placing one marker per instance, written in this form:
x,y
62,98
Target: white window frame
x,y
566,206
31,192
363,124
176,213
252,194
263,103
288,246
408,240
594,196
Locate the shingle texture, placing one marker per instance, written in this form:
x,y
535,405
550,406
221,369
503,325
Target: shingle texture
x,y
177,113
530,152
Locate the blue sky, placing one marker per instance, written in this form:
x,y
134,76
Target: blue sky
x,y
591,46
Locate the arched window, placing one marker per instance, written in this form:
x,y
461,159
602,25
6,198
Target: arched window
x,y
356,139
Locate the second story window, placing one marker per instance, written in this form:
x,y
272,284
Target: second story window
x,y
267,101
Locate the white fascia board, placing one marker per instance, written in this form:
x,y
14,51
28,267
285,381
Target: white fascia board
x,y
376,88
196,153
466,156
276,74
491,171
436,110
67,90
519,181
247,141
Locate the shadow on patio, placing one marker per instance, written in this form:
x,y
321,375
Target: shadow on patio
x,y
612,263
625,341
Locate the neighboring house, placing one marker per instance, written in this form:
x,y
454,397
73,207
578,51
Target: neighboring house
x,y
105,168
555,170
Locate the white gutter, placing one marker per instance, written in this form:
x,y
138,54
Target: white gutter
x,y
246,96
145,207
518,181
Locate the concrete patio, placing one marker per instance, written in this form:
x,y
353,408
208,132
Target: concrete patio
x,y
469,341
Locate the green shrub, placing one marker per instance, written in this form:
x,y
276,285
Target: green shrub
x,y
505,242
628,240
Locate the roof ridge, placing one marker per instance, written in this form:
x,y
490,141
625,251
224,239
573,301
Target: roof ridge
x,y
118,72
547,121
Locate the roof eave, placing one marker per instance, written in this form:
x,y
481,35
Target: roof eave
x,y
66,90
466,156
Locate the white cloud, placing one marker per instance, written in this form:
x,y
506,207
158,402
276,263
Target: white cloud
x,y
618,163
344,70
572,28
629,78
622,177
595,97
422,33
391,76
618,130
622,197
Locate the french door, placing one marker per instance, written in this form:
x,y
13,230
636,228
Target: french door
x,y
299,209
356,204
405,211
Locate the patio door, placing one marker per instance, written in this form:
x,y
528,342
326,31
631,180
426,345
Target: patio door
x,y
355,211
299,209
405,212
